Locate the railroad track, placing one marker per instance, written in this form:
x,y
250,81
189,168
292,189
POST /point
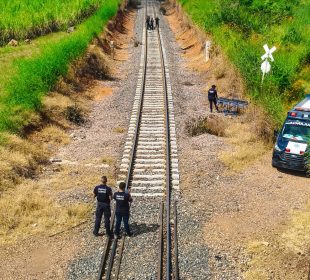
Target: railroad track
x,y
150,164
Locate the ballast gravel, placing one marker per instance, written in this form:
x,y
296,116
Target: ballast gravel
x,y
114,111
196,259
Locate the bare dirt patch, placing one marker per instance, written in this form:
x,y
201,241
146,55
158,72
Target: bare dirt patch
x,y
41,257
99,92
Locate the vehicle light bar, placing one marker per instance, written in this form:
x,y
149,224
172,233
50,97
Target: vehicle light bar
x,y
301,109
303,106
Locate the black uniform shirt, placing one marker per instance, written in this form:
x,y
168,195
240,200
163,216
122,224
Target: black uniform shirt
x,y
122,202
212,94
103,193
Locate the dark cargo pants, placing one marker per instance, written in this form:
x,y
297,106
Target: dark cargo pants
x,y
119,218
103,209
211,101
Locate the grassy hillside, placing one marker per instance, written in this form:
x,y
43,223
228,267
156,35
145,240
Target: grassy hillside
x,y
30,71
242,27
20,19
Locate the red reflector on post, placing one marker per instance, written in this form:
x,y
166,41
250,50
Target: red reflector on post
x,y
293,114
287,150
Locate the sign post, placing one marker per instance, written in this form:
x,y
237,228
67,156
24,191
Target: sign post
x,y
208,46
112,49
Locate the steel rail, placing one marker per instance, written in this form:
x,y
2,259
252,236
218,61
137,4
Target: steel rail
x,y
168,162
175,239
130,168
120,258
137,129
106,251
111,261
161,243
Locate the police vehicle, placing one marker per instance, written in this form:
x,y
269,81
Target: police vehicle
x,y
293,138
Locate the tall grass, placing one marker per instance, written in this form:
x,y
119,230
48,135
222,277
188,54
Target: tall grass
x,y
35,76
21,19
242,27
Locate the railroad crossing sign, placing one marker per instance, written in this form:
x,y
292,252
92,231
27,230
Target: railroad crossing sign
x,y
268,53
265,67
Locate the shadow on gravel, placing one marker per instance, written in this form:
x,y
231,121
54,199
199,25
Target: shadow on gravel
x,y
138,229
294,173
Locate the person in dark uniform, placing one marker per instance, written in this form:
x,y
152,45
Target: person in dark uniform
x,y
212,96
148,18
122,211
157,22
152,24
103,193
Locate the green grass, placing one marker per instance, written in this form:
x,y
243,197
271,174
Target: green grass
x,y
20,19
242,27
29,72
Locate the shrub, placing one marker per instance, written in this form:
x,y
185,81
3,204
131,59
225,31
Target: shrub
x,y
95,65
292,36
74,114
212,125
134,3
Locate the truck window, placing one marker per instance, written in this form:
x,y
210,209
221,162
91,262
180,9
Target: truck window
x,y
296,132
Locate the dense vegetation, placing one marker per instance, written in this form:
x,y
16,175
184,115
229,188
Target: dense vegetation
x,y
20,19
242,27
39,65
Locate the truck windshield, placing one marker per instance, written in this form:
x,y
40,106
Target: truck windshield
x,y
296,132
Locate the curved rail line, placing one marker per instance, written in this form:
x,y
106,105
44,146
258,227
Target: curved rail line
x,y
148,114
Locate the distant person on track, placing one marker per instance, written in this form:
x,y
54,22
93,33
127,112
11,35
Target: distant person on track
x,y
122,209
103,193
152,24
212,96
157,22
148,24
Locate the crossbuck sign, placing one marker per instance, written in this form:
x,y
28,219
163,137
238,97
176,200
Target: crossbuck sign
x,y
265,67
